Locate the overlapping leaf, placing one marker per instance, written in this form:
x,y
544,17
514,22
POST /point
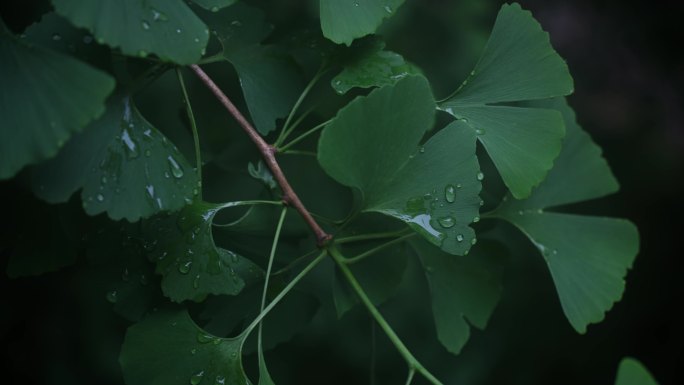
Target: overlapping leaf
x,y
192,266
462,288
124,165
45,98
372,67
588,256
373,145
633,372
269,79
166,28
342,21
167,347
518,64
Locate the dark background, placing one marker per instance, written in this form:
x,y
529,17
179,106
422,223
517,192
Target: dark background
x,y
629,77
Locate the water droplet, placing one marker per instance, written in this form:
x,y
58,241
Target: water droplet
x,y
196,40
220,380
103,179
421,150
388,9
236,23
521,212
473,241
112,296
480,176
184,268
476,219
175,168
204,338
178,30
480,131
125,275
56,37
143,280
131,146
356,4
214,9
459,237
148,153
193,351
100,198
446,222
145,25
158,16
142,53
450,193
195,282
196,378
150,191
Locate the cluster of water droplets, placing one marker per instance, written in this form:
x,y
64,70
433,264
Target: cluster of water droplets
x,y
421,211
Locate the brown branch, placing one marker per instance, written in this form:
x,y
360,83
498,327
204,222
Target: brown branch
x,y
268,153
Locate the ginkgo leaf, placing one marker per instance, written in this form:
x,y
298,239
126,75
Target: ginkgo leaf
x,y
373,145
167,347
214,5
342,21
269,78
192,267
518,64
372,67
166,28
588,256
462,288
45,98
124,165
633,372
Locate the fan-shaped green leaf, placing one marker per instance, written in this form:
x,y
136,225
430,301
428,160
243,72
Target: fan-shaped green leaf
x,y
373,145
166,28
373,67
518,64
167,347
269,79
192,267
633,372
588,256
214,5
467,287
342,21
125,166
45,97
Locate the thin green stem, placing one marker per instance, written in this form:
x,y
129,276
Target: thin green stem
x,y
294,263
371,236
362,256
193,126
412,362
302,136
411,373
271,257
298,152
284,292
287,129
212,59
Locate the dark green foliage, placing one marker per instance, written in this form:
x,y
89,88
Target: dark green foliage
x,y
395,183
